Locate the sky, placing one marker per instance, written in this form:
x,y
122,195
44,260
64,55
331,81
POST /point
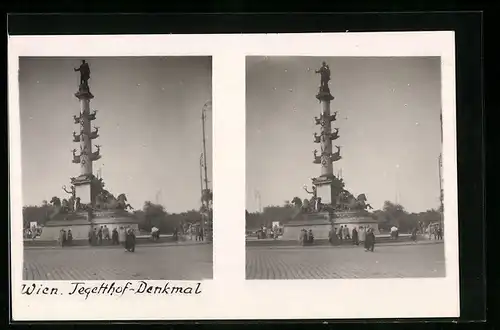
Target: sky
x,y
388,116
149,119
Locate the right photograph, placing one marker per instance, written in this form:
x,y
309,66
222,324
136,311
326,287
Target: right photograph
x,y
343,168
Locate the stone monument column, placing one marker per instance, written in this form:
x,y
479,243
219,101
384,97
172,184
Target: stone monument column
x,y
85,141
327,185
85,181
326,130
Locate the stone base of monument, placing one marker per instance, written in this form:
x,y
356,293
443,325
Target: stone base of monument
x,y
355,219
140,240
321,223
80,225
379,239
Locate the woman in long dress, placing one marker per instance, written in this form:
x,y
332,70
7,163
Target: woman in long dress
x,y
369,240
121,236
362,235
355,237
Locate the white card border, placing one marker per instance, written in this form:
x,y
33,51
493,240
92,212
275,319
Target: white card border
x,y
229,295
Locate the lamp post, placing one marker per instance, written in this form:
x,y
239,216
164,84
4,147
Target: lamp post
x,y
206,107
201,177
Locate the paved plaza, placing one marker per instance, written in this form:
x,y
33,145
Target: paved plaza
x,y
183,262
326,262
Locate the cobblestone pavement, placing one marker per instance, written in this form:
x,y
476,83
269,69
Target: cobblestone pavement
x,y
189,262
403,261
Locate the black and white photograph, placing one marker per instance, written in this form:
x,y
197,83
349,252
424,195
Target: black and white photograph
x,y
343,167
116,168
195,177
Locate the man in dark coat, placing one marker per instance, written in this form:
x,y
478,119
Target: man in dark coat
x,y
99,236
331,235
414,234
310,237
130,240
370,240
69,239
114,237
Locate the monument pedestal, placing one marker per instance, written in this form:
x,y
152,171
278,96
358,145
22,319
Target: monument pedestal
x,y
355,219
319,222
78,222
82,222
328,187
83,188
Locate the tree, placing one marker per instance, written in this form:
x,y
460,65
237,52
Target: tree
x,y
34,213
297,201
395,215
140,215
155,216
283,214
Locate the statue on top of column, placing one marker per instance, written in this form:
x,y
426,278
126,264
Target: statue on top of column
x,y
84,74
324,71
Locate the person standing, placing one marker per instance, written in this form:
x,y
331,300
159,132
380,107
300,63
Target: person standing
x,y
114,237
130,240
70,237
302,237
440,233
332,235
61,237
347,235
369,240
362,235
94,236
106,233
340,233
355,240
310,237
414,235
99,236
176,234
394,231
121,236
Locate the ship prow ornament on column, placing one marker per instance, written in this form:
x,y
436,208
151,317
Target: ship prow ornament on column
x,y
89,204
330,205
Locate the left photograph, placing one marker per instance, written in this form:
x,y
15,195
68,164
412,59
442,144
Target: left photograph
x,y
116,168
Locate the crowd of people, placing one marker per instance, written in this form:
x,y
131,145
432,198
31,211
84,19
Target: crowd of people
x,y
122,235
97,235
435,232
306,237
32,232
195,231
364,235
65,238
267,232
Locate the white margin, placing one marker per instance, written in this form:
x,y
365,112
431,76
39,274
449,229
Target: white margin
x,y
229,295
